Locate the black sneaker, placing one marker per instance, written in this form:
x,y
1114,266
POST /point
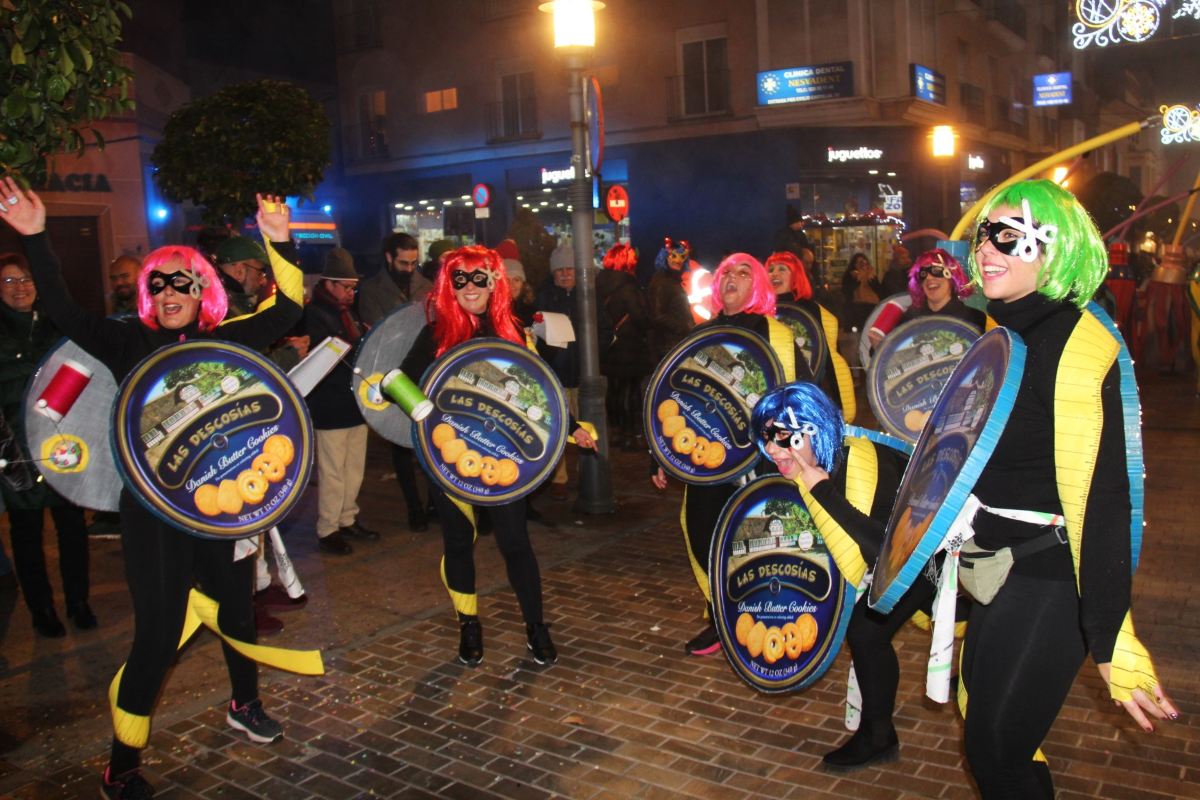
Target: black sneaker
x,y
254,722
470,643
334,544
126,786
705,643
359,532
539,643
47,623
81,614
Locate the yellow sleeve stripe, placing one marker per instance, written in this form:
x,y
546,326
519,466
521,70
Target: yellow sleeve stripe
x,y
463,602
1078,417
783,342
288,279
1131,667
699,572
862,474
841,370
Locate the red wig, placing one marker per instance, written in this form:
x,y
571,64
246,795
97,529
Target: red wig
x,y
801,287
213,302
452,324
622,258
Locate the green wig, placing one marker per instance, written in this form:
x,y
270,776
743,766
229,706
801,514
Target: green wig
x,y
1076,262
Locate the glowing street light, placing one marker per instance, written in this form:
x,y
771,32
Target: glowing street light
x,y
943,141
574,37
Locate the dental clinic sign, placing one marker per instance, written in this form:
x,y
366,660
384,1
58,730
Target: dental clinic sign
x,y
800,84
857,154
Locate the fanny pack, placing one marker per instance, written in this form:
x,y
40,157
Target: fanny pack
x,y
982,572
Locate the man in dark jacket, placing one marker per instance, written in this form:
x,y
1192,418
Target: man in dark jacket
x,y
242,264
670,314
341,431
559,297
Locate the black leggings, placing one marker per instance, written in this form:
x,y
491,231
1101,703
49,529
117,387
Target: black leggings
x,y
29,557
869,636
1020,657
161,564
701,508
512,537
625,404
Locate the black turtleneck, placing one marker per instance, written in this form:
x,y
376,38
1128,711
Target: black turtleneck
x,y
1021,474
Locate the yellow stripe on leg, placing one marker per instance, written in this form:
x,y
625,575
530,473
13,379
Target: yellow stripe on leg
x,y
698,570
129,729
464,603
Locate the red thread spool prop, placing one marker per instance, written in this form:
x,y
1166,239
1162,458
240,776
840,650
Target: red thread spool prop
x,y
63,390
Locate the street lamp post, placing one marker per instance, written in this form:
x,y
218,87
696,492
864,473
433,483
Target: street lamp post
x,y
575,36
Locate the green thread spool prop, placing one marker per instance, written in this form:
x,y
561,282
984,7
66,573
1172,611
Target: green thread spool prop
x,y
403,392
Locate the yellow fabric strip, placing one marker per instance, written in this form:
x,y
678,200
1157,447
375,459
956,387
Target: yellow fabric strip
x,y
130,729
862,475
783,342
587,426
1038,755
1131,667
464,603
1078,416
841,370
698,570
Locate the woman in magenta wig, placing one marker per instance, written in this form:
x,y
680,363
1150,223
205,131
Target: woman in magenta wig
x,y
937,284
470,300
179,298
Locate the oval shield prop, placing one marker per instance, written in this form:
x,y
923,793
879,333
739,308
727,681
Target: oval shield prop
x,y
68,437
780,603
697,412
952,450
499,422
909,369
864,341
809,336
380,352
213,438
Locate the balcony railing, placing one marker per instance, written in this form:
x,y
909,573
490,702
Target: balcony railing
x,y
699,94
513,121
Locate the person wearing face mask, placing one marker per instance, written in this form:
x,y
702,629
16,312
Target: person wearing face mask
x,y
472,299
670,316
1070,456
936,285
742,296
25,337
848,484
179,298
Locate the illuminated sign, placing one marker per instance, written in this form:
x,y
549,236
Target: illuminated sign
x,y
1180,124
975,162
616,203
928,85
1052,89
892,200
858,154
800,84
557,175
1105,22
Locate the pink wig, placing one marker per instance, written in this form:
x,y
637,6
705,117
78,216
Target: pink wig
x,y
762,295
801,287
213,302
452,323
937,258
621,258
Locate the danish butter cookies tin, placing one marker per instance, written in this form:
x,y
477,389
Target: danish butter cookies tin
x,y
499,422
697,412
213,438
780,602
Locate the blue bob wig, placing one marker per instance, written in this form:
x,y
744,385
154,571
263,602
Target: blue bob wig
x,y
803,405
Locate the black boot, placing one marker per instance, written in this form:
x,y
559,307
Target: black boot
x,y
47,623
81,614
872,743
538,639
470,641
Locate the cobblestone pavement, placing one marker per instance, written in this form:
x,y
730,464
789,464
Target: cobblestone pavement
x,y
623,714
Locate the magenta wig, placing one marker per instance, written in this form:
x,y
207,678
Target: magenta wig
x,y
762,295
937,258
621,258
801,287
213,302
452,323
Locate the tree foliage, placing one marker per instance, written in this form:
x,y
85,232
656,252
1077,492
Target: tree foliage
x,y
60,71
259,136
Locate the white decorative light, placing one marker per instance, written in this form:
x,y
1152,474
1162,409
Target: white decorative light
x,y
1190,8
1105,22
1180,124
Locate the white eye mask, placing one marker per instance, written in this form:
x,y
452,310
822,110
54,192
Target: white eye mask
x,y
1027,246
